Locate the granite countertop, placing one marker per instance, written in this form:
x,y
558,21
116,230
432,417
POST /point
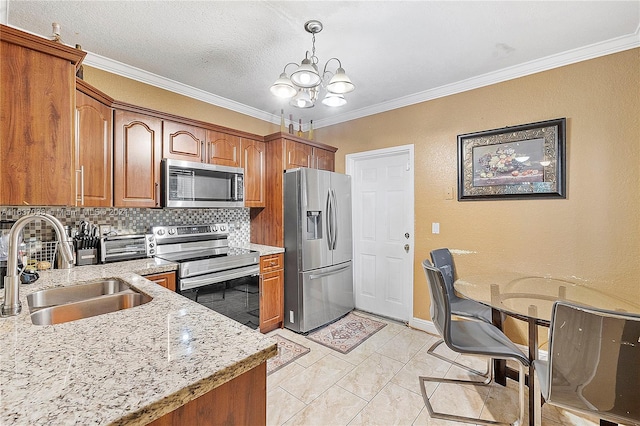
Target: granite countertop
x,y
127,367
265,250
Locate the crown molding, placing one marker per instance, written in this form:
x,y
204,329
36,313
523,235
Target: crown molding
x,y
124,70
569,57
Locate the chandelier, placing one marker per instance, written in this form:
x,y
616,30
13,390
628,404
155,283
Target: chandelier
x,y
303,87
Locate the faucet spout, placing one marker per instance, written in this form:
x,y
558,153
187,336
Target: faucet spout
x,y
11,305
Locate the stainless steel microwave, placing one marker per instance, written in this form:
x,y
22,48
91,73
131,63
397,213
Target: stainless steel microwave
x,y
194,185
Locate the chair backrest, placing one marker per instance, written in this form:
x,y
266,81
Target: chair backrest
x,y
440,309
442,260
594,361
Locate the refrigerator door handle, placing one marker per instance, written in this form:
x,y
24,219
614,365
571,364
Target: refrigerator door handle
x,y
329,273
329,221
334,210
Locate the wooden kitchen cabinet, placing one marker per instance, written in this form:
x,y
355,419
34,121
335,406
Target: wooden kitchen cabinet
x,y
37,82
271,292
254,162
182,141
137,152
94,147
223,149
324,159
284,151
297,155
166,280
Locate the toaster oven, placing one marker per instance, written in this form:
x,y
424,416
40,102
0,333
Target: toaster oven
x,y
127,247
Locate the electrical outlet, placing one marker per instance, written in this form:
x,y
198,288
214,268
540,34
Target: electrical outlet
x,y
104,229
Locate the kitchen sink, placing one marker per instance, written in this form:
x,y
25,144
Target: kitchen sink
x,y
63,304
88,308
75,293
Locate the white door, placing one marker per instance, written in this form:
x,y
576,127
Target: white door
x,y
383,231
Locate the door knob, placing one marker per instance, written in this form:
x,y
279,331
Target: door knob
x,y
406,235
406,248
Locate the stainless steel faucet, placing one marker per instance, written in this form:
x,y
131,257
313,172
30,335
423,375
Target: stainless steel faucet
x,y
11,305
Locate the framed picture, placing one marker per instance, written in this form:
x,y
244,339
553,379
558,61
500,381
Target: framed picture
x,y
525,161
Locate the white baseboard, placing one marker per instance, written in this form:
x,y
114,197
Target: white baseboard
x,y
423,325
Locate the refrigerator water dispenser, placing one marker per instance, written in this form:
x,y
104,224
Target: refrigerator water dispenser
x,y
314,225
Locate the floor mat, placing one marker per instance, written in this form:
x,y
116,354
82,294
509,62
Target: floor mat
x,y
347,333
288,352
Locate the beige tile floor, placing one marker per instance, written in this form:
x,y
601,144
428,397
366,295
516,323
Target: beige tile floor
x,y
377,384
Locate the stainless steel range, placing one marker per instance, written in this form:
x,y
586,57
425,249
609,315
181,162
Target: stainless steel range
x,y
210,272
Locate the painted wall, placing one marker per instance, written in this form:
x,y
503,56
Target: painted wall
x,y
141,94
592,236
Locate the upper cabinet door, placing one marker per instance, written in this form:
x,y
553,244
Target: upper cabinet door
x,y
223,149
37,85
324,160
94,131
297,155
137,152
183,142
254,164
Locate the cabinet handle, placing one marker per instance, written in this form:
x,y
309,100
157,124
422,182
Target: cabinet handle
x,y
80,197
157,194
203,157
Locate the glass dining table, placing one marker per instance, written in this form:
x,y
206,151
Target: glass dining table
x,y
530,299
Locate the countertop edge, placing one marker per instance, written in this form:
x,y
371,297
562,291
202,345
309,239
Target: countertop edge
x,y
187,394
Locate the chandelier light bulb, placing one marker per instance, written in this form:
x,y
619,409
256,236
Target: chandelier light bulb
x,y
334,100
283,88
340,83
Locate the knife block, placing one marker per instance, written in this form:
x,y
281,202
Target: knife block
x,y
86,257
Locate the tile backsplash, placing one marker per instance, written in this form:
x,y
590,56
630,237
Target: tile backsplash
x,y
130,221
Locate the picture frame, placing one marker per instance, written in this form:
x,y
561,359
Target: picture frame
x,y
518,162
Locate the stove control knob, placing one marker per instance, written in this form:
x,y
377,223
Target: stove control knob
x,y
160,232
152,251
151,245
215,228
172,231
222,228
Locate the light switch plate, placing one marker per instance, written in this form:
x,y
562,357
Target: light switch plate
x,y
448,193
435,228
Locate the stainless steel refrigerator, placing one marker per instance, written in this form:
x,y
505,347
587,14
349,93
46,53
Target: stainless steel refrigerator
x,y
318,276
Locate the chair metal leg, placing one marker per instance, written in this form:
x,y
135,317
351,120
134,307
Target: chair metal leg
x,y
431,351
453,417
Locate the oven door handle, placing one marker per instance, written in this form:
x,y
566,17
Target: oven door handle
x,y
189,283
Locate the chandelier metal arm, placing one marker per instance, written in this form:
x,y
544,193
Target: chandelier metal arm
x,y
284,70
327,64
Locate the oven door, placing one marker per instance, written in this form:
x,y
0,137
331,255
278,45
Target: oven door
x,y
236,298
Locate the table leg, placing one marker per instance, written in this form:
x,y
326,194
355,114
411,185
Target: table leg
x,y
499,365
533,354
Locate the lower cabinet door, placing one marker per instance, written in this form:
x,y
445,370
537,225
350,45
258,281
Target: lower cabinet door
x,y
271,300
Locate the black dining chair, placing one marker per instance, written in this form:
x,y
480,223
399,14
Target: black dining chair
x,y
593,364
468,337
460,307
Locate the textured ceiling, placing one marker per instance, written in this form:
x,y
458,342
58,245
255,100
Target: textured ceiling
x,y
395,52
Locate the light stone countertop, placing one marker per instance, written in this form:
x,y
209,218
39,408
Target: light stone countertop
x,y
264,250
127,367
